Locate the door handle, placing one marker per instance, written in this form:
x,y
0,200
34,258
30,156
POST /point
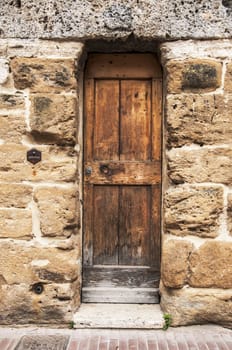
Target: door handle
x,y
88,170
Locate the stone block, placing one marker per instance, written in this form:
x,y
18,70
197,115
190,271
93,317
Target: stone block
x,y
15,223
15,195
193,210
199,119
211,265
4,71
193,75
57,164
175,255
229,213
20,305
34,264
228,77
58,211
200,165
53,118
44,74
12,128
12,101
197,305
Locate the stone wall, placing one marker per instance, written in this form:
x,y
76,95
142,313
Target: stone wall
x,y
196,282
40,236
39,204
95,19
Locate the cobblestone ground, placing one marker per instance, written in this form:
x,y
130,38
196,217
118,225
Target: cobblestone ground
x,y
183,338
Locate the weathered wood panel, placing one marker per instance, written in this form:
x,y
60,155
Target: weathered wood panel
x,y
120,295
123,66
105,227
135,130
123,276
123,172
134,225
106,122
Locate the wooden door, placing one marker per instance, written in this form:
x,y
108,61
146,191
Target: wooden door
x,y
122,178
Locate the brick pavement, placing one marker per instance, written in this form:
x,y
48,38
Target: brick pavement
x,y
183,338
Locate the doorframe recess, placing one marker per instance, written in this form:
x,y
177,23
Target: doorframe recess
x,y
110,48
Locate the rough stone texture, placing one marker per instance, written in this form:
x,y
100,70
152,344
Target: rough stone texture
x,y
12,101
53,118
196,306
196,49
44,75
51,342
58,210
57,164
167,19
41,48
200,165
30,264
20,305
15,195
15,223
200,119
211,265
193,75
228,77
12,128
175,254
229,213
193,210
4,71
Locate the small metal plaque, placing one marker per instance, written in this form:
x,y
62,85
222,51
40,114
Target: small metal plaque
x,y
34,156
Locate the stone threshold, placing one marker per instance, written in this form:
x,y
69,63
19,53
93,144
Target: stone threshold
x,y
119,316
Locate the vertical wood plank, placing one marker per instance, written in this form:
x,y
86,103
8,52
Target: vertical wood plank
x,y
88,225
89,117
106,124
134,225
135,130
156,118
155,240
105,235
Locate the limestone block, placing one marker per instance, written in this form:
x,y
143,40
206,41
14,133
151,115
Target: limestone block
x,y
15,195
200,165
211,265
12,101
149,19
193,210
58,211
33,264
197,306
43,48
44,75
12,128
15,223
228,77
4,70
200,119
196,75
229,213
57,164
20,305
53,118
175,254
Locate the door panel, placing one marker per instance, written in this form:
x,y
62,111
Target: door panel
x,y
134,225
135,118
122,178
105,230
106,123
